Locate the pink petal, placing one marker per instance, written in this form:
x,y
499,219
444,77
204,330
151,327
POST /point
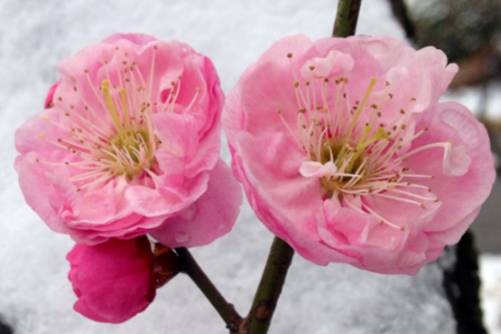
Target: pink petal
x,y
316,169
102,277
209,218
460,194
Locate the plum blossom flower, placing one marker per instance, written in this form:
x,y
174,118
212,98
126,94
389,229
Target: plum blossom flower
x,y
129,141
113,280
346,153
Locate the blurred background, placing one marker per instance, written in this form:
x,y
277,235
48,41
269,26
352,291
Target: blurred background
x,y
35,296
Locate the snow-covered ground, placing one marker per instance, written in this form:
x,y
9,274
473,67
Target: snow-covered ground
x,y
35,296
490,267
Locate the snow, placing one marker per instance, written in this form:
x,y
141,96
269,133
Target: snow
x,y
490,268
471,98
36,297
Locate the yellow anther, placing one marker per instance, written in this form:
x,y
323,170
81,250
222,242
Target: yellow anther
x,y
123,101
110,105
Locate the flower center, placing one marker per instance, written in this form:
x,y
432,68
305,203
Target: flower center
x,y
119,142
131,150
345,140
352,147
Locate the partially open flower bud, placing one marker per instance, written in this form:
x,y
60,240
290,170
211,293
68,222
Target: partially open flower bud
x,y
113,280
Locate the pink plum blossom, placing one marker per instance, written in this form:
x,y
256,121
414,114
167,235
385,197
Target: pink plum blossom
x,y
129,141
346,153
113,280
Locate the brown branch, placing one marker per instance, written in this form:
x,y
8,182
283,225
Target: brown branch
x,y
226,310
462,287
401,13
346,18
270,288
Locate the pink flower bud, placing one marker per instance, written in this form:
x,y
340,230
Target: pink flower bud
x,y
114,280
49,99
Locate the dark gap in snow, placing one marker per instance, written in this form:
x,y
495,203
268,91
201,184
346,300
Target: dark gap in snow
x,y
462,287
4,328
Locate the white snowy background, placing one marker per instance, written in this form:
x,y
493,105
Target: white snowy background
x,y
35,296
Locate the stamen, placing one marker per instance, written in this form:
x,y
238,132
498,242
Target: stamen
x,y
383,220
102,152
110,105
398,199
367,159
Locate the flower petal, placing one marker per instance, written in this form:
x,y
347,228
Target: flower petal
x,y
209,218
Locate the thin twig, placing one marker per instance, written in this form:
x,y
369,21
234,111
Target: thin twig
x,y
226,310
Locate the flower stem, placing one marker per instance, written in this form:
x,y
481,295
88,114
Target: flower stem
x,y
189,266
270,287
346,18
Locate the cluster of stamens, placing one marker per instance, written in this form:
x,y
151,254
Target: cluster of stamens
x,y
119,142
356,152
